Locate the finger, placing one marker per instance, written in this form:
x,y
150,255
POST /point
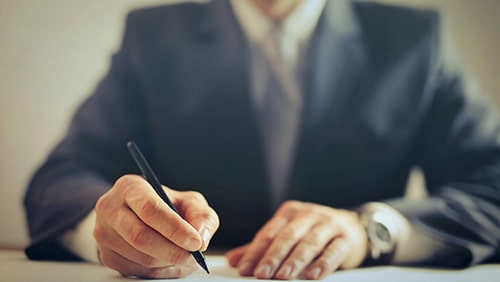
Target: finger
x,y
284,243
150,208
309,247
194,209
128,268
234,256
331,258
147,240
259,245
107,238
264,238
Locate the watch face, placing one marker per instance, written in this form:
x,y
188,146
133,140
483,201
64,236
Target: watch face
x,y
382,232
380,236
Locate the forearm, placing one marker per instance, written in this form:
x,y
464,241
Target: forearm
x,y
58,199
455,235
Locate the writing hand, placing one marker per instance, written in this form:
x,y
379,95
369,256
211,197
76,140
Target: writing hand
x,y
303,239
139,235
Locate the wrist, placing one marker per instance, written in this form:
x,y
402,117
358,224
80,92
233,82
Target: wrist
x,y
384,227
80,240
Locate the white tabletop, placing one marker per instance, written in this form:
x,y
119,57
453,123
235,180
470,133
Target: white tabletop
x,y
14,266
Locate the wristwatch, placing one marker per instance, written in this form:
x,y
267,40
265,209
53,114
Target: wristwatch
x,y
382,227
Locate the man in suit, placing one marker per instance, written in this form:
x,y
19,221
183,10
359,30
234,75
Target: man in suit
x,y
298,123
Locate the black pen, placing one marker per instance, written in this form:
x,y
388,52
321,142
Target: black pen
x,y
153,180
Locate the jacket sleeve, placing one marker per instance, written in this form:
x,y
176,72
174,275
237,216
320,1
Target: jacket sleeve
x,y
86,162
459,152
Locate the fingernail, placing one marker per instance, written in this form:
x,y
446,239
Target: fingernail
x,y
314,273
263,271
205,236
192,244
285,272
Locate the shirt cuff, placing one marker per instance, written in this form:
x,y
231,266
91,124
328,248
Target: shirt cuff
x,y
80,240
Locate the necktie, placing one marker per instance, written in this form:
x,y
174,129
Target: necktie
x,y
280,113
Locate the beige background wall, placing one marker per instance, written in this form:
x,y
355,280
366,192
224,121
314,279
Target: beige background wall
x,y
52,52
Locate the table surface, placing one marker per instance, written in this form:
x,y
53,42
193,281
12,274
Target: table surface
x,y
14,266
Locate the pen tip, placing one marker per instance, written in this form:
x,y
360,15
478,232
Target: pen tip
x,y
204,266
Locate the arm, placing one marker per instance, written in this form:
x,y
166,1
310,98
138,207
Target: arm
x,y
458,225
459,152
135,233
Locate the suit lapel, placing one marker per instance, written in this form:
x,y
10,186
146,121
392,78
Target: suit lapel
x,y
336,58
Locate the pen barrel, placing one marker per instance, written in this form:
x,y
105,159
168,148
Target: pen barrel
x,y
148,173
150,176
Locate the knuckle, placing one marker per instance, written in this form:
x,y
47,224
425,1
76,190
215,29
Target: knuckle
x,y
108,259
103,257
333,254
312,240
289,208
201,214
351,214
195,196
291,205
207,215
129,186
148,261
342,246
332,222
185,271
265,237
138,237
154,273
124,181
298,262
173,229
178,257
311,208
103,204
272,261
149,210
100,204
287,234
99,233
324,263
174,272
169,272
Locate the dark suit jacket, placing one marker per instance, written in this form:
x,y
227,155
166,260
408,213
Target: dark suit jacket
x,y
381,97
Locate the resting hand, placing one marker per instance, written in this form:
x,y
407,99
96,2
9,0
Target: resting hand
x,y
303,239
139,235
